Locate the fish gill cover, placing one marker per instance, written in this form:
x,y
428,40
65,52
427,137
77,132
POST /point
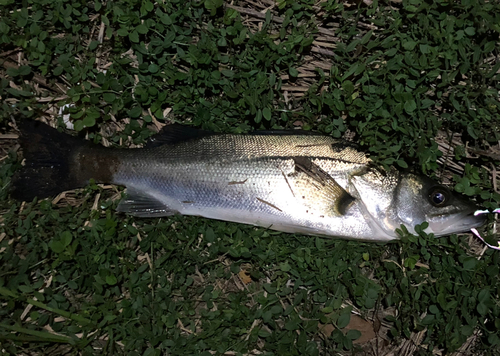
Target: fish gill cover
x,y
415,83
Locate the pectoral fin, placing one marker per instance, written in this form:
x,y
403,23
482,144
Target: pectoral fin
x,y
137,203
318,190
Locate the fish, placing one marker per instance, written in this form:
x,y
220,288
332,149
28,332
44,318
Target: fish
x,y
290,181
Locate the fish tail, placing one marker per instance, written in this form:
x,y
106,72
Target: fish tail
x,y
50,166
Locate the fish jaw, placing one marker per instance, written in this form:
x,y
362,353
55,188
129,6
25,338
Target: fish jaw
x,y
459,223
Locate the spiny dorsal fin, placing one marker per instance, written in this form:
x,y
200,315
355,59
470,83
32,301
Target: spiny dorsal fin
x,y
285,133
176,133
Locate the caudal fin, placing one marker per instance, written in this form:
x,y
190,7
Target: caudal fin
x,y
49,158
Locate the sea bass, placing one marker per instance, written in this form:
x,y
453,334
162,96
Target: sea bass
x,y
282,180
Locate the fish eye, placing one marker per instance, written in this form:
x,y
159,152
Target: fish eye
x,y
438,196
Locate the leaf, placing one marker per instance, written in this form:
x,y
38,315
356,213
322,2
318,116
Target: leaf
x,y
410,106
165,19
227,73
111,279
266,112
470,263
213,5
134,36
245,276
391,52
135,112
472,132
482,309
269,288
93,45
466,330
426,103
148,5
348,87
291,325
109,97
88,121
353,334
19,93
327,310
4,28
489,46
293,72
484,295
366,37
78,125
409,45
222,42
25,289
66,238
57,71
493,70
428,319
258,116
401,163
142,29
56,246
343,320
264,333
424,48
122,32
12,72
276,310
350,71
493,338
352,46
471,31
24,70
434,309
153,68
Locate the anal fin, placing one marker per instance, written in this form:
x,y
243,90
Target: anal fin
x,y
136,203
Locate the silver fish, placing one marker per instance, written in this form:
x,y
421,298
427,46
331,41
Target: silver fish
x,y
281,180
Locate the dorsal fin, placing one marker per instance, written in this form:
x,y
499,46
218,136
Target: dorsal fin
x,y
176,133
286,133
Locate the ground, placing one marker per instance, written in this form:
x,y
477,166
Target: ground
x,y
414,83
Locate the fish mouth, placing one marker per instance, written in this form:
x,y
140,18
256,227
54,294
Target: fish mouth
x,y
459,223
471,221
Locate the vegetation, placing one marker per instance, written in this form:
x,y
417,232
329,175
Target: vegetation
x,y
416,83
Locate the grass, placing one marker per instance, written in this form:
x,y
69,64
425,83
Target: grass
x,y
415,83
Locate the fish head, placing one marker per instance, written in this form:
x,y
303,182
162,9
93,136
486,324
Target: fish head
x,y
393,198
418,199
